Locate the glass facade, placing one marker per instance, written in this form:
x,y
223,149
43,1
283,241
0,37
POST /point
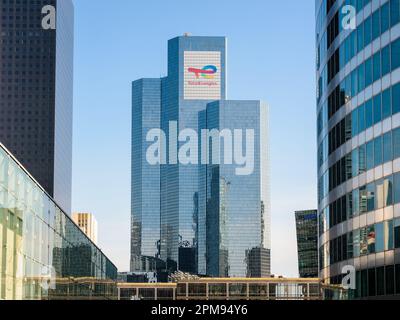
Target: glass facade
x,y
43,254
358,111
307,243
186,214
232,204
145,228
36,77
183,98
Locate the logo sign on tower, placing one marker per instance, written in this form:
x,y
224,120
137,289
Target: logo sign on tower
x,y
202,75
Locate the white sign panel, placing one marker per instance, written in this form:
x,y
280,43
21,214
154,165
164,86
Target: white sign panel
x,y
202,75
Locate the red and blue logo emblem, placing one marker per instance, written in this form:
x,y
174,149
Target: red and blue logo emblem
x,y
207,72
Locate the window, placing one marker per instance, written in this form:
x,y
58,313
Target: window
x,y
354,121
371,239
386,104
367,31
379,194
388,228
378,151
361,118
363,242
370,192
377,66
387,147
364,283
389,279
395,54
396,143
379,235
361,77
397,278
371,283
370,154
380,281
388,192
356,202
396,98
368,72
376,25
355,162
385,60
350,245
394,12
385,18
354,83
397,233
360,38
377,109
361,158
363,200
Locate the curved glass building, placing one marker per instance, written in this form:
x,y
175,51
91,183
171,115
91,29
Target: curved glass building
x,y
358,97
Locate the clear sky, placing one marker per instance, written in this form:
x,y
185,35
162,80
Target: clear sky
x,y
270,57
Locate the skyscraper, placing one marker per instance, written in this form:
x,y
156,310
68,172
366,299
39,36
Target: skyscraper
x,y
234,215
196,76
179,219
307,243
36,75
358,60
145,228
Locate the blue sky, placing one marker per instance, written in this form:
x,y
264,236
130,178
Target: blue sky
x,y
270,57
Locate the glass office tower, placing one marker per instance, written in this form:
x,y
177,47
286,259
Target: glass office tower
x,y
307,243
358,100
196,76
145,228
36,79
43,254
180,219
234,209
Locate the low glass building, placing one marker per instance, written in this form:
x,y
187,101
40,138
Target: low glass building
x,y
307,242
43,254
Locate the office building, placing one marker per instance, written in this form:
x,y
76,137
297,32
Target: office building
x,y
196,76
88,224
164,197
358,99
145,198
43,254
36,84
231,203
307,243
173,212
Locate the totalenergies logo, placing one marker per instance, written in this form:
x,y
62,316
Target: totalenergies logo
x,y
208,72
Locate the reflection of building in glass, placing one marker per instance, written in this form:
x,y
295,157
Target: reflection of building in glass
x,y
307,243
43,254
358,125
88,224
36,77
236,237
